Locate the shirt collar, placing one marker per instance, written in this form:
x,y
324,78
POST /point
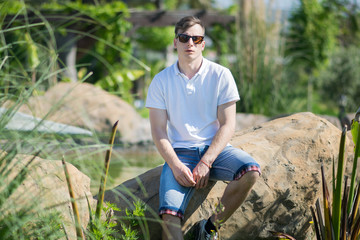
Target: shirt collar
x,y
201,70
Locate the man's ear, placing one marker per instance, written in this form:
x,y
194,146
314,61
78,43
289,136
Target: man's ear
x,y
203,45
175,43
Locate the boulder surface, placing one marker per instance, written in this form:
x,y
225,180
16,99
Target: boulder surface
x,y
290,151
46,184
87,106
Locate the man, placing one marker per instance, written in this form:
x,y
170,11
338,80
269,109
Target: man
x,y
192,115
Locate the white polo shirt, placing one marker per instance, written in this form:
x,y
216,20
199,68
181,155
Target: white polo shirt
x,y
191,104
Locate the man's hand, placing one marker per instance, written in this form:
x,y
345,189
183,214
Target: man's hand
x,y
184,176
201,175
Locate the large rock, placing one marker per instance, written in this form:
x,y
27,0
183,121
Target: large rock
x,y
246,120
87,106
45,183
24,123
290,151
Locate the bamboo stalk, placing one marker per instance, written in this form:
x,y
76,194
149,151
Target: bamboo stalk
x,y
105,173
79,232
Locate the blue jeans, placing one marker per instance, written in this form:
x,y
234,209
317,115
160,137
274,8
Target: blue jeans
x,y
231,164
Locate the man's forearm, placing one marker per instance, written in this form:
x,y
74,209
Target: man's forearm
x,y
166,151
226,117
220,140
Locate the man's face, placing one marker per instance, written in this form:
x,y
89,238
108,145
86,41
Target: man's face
x,y
190,50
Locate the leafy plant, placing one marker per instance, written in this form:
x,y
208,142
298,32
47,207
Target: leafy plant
x,y
343,221
103,228
311,38
341,78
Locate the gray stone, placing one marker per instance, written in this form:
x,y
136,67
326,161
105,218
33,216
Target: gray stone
x,y
87,106
25,123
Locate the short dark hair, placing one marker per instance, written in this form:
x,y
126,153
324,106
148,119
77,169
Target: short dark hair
x,y
186,22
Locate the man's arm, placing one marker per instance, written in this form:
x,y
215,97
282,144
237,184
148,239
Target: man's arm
x,y
158,121
226,117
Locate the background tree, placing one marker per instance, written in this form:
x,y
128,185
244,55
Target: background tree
x,y
310,40
259,68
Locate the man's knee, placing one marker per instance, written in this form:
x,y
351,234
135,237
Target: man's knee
x,y
250,177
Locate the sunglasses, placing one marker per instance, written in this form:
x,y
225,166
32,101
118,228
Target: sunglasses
x,y
185,38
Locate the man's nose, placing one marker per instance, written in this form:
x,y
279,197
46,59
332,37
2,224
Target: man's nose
x,y
190,42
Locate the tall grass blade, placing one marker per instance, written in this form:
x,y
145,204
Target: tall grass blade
x,y
66,235
356,231
355,131
344,215
21,27
339,187
320,218
316,224
15,183
91,221
6,160
329,235
79,232
105,173
334,178
355,208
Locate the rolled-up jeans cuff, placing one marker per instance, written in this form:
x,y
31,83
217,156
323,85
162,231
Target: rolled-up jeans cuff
x,y
171,212
249,168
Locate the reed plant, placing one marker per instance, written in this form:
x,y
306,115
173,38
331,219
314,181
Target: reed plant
x,y
29,64
259,68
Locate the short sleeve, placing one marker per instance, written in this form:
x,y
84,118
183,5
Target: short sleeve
x,y
155,95
228,91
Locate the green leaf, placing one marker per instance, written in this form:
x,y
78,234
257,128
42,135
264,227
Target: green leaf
x,y
32,50
355,131
337,198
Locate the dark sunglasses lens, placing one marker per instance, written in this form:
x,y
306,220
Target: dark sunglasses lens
x,y
183,38
197,39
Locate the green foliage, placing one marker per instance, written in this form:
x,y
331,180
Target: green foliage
x,y
25,55
355,132
342,78
310,40
355,127
28,63
26,221
45,226
343,222
312,34
136,213
155,38
121,82
101,28
105,228
259,67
